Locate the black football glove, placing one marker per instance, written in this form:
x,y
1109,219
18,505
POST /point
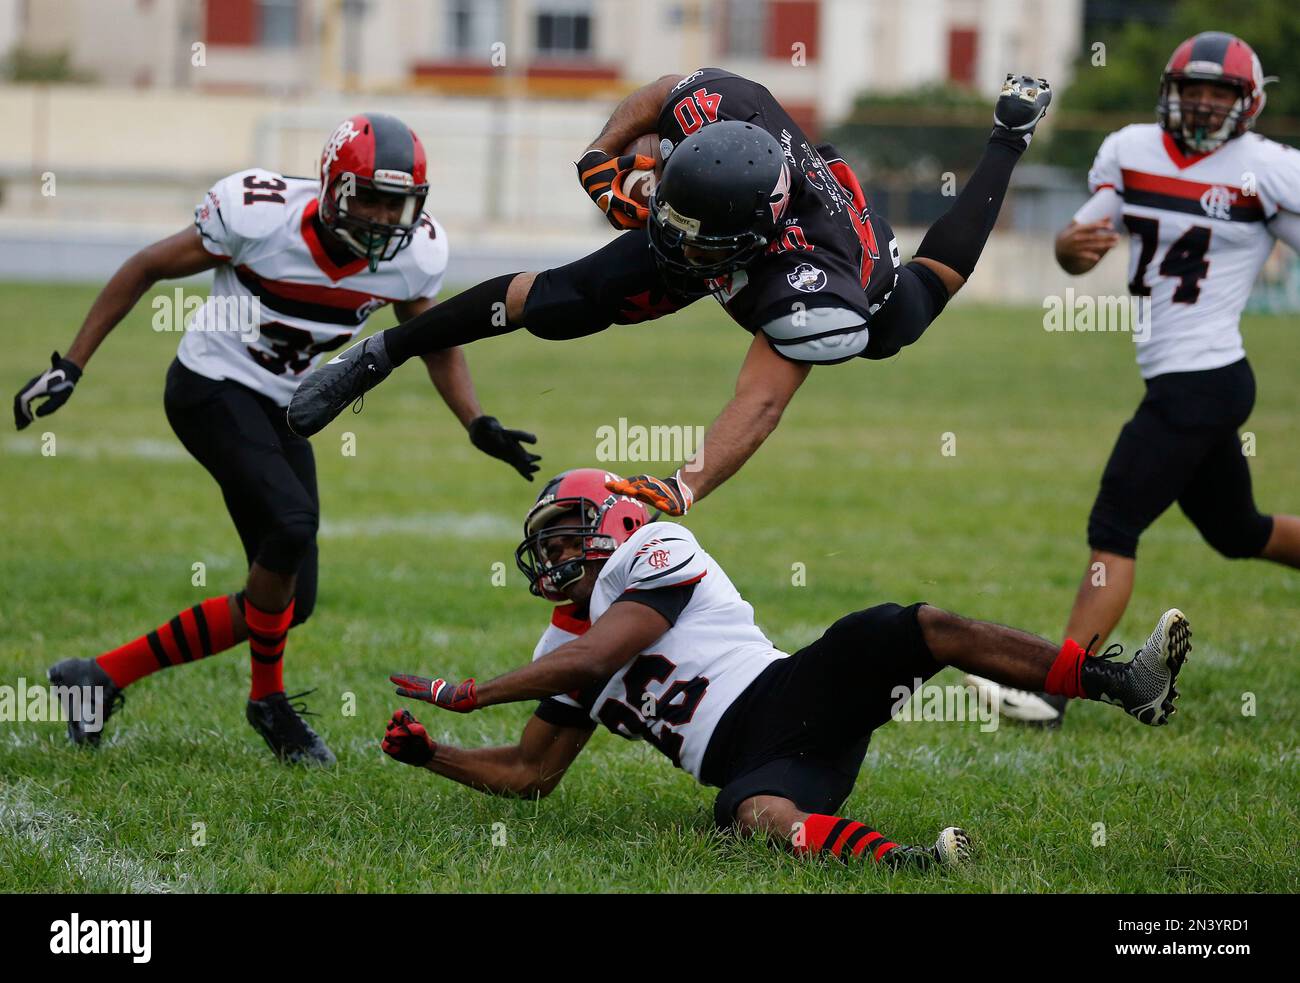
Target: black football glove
x,y
54,385
406,740
487,434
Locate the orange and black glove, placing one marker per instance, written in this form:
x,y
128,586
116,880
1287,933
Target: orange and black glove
x,y
406,740
602,178
462,698
671,496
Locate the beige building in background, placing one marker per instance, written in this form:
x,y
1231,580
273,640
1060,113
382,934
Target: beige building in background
x,y
504,93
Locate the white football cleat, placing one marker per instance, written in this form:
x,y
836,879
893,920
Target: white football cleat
x,y
953,846
1017,704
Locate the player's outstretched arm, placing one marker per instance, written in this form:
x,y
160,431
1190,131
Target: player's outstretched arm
x,y
613,639
449,373
179,255
766,384
530,769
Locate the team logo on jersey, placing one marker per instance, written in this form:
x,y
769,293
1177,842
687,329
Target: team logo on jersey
x,y
1217,202
369,307
658,559
780,196
345,133
812,173
665,148
687,81
807,277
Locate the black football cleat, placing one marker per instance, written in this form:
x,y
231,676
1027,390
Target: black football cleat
x,y
1144,687
88,710
951,849
344,379
1022,103
285,732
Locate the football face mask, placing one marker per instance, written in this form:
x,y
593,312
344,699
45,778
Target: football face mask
x,y
574,521
373,185
1198,120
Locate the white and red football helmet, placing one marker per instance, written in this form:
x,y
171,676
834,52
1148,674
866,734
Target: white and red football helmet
x,y
1211,56
376,152
575,504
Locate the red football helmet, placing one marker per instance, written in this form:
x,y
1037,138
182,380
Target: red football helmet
x,y
586,508
1211,56
372,153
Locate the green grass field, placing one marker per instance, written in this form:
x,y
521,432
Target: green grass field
x,y
99,542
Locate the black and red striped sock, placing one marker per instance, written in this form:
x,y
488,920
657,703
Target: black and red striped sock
x,y
195,633
267,632
843,838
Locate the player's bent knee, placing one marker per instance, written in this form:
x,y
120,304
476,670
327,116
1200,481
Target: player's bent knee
x,y
936,623
304,604
767,813
288,541
1242,540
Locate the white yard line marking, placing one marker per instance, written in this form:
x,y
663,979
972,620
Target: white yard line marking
x,y
31,814
430,525
140,449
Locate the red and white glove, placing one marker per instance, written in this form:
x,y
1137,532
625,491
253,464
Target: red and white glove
x,y
672,496
602,178
461,698
406,740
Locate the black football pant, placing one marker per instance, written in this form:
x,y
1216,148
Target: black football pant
x,y
1182,446
800,730
267,474
620,283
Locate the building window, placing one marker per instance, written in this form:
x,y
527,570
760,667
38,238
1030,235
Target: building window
x,y
744,28
473,26
563,29
962,46
278,23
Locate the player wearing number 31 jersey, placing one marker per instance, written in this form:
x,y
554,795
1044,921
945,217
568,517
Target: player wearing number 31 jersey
x,y
655,643
301,264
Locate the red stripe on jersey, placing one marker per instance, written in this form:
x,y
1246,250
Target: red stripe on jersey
x,y
1176,187
1101,187
564,618
318,253
311,293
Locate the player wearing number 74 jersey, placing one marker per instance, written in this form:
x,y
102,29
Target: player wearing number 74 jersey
x,y
301,263
1203,200
655,643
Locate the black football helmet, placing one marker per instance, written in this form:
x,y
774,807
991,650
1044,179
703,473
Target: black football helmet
x,y
724,190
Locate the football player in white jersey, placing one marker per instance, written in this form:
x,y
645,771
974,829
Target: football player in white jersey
x,y
1203,200
656,643
301,263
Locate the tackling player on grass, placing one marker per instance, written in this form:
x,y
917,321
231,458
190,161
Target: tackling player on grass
x,y
305,262
655,643
749,211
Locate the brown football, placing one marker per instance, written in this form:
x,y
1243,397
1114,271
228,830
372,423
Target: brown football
x,y
639,185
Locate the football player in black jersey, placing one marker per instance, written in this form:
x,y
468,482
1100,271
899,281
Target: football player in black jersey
x,y
749,211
